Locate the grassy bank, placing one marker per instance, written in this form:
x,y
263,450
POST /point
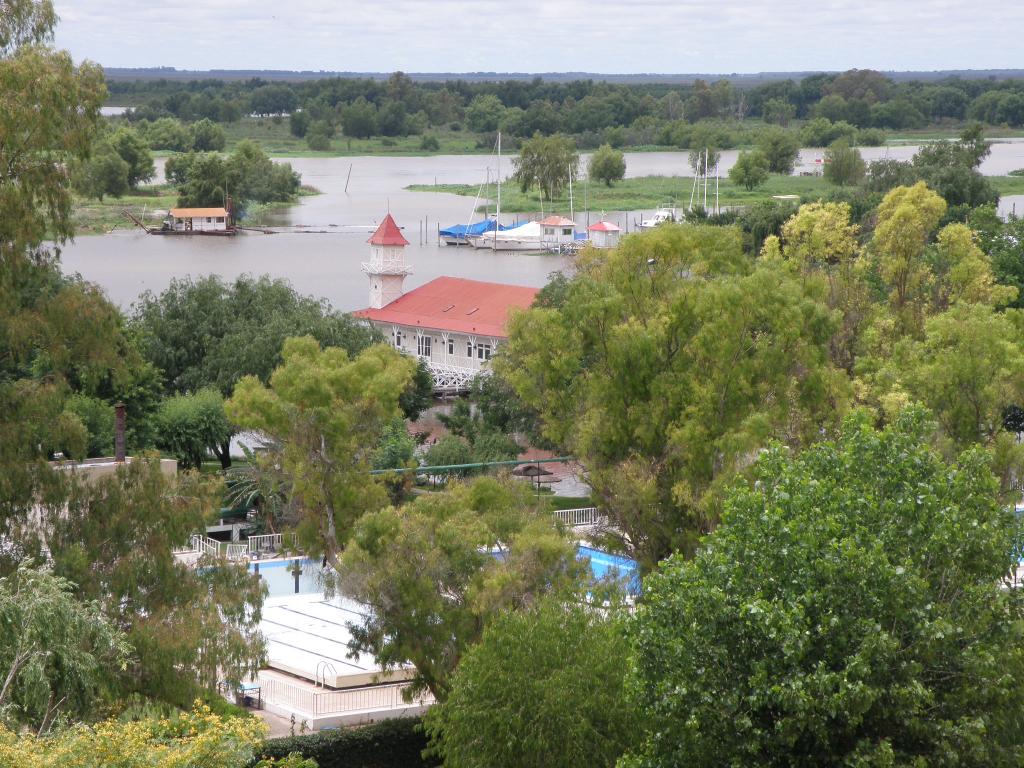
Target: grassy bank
x,y
649,192
98,217
276,139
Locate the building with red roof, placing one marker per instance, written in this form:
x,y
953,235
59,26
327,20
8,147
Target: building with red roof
x,y
604,234
451,323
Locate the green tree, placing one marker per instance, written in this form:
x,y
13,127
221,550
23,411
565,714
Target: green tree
x,y
98,419
671,362
781,149
843,164
204,332
105,173
607,165
547,162
114,538
750,170
951,169
298,123
778,111
431,576
544,687
359,119
207,136
319,134
135,152
850,610
168,133
53,649
704,158
51,328
447,451
191,425
907,218
328,411
484,113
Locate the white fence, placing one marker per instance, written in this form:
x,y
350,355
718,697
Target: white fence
x,y
580,517
319,703
269,543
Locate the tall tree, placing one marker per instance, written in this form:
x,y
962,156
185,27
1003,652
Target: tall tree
x,y
607,165
114,538
438,570
54,648
547,162
327,411
50,327
545,686
852,609
843,164
670,363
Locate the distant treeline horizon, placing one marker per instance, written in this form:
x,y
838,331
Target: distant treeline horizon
x,y
745,78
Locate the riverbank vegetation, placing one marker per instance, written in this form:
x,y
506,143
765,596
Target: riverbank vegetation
x,y
399,115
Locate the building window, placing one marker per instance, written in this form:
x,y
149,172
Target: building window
x,y
423,346
469,349
398,339
483,351
567,231
451,346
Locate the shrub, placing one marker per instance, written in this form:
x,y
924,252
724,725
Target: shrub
x,y
389,744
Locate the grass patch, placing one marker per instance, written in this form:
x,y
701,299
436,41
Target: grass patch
x,y
276,139
646,193
98,217
643,193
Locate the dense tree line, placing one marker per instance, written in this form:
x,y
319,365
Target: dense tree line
x,y
644,113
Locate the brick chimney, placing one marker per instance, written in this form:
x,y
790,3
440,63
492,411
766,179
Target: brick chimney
x,y
119,426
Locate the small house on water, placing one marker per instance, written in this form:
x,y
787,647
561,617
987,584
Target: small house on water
x,y
199,221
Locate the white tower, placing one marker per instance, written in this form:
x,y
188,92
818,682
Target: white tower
x,y
387,268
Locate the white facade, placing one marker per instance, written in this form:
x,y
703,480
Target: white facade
x,y
453,359
199,223
387,270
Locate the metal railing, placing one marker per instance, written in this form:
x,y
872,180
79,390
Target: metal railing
x,y
270,542
317,703
579,517
204,545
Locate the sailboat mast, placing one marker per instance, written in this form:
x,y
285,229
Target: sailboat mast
x,y
497,219
572,214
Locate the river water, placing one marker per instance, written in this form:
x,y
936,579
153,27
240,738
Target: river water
x,y
325,261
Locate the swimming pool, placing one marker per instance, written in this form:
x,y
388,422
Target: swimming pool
x,y
279,575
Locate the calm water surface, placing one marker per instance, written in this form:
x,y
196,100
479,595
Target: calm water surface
x,y
325,261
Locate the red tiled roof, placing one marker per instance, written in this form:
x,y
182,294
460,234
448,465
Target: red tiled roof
x,y
557,221
388,233
456,304
603,226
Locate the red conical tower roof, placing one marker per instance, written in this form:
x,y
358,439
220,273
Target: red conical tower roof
x,y
388,233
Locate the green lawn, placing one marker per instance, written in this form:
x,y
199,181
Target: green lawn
x,y
97,217
649,192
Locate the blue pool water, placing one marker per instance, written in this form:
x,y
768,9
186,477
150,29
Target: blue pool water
x,y
280,578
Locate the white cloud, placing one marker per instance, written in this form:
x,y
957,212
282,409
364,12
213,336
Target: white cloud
x,y
544,35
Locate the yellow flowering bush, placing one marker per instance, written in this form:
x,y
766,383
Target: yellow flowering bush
x,y
197,739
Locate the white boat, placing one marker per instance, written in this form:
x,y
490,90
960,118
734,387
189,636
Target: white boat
x,y
661,216
525,237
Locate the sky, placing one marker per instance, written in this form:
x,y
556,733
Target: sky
x,y
635,36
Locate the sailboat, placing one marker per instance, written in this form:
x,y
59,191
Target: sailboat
x,y
462,234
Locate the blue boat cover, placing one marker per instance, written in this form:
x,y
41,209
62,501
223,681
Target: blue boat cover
x,y
468,230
